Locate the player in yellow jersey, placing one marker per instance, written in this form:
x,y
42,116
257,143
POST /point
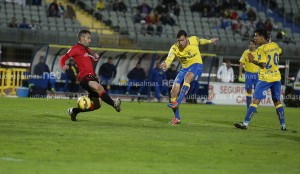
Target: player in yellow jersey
x,y
269,78
187,51
251,71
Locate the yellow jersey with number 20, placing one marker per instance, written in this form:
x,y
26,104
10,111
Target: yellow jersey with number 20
x,y
269,54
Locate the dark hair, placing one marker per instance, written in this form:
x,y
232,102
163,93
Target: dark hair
x,y
82,32
110,58
252,40
180,33
263,33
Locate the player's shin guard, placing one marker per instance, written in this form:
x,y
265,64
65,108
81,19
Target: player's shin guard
x,y
248,99
106,98
176,113
280,114
183,92
78,110
251,110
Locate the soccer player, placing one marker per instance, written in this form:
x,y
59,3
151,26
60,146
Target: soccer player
x,y
88,80
187,51
269,78
251,70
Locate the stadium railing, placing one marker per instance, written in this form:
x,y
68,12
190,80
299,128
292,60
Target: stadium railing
x,y
2,81
11,79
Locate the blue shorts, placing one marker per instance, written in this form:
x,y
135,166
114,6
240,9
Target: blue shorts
x,y
262,88
196,69
251,80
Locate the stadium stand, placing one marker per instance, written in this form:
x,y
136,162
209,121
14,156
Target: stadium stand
x,y
196,23
58,30
118,28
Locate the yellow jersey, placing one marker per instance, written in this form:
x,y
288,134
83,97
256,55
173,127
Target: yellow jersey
x,y
189,55
269,54
249,67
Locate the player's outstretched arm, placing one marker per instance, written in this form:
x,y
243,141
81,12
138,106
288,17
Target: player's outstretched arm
x,y
214,40
208,41
163,66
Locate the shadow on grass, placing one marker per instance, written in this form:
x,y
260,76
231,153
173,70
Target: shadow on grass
x,y
224,122
138,122
60,117
158,119
285,136
54,116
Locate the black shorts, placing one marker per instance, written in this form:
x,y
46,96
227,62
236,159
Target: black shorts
x,y
85,85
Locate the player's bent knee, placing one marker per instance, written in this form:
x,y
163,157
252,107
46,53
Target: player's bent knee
x,y
99,88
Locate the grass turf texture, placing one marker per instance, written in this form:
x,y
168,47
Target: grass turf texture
x,y
37,136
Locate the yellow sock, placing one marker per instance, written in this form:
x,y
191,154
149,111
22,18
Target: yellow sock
x,y
254,105
173,99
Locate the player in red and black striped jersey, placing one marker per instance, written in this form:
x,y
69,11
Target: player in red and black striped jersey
x,y
85,59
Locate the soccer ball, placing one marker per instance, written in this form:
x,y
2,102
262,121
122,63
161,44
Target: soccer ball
x,y
84,102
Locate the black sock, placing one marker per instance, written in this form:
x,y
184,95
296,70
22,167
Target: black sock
x,y
76,110
106,98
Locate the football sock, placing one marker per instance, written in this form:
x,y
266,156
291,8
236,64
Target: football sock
x,y
248,99
280,113
176,113
78,110
250,113
106,98
183,91
173,100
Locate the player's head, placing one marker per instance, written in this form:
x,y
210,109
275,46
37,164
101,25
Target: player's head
x,y
84,37
138,65
252,44
260,36
182,38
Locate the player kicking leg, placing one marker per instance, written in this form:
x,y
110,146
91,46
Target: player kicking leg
x,y
188,75
187,51
91,84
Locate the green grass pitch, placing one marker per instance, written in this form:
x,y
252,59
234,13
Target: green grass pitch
x,y
37,136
